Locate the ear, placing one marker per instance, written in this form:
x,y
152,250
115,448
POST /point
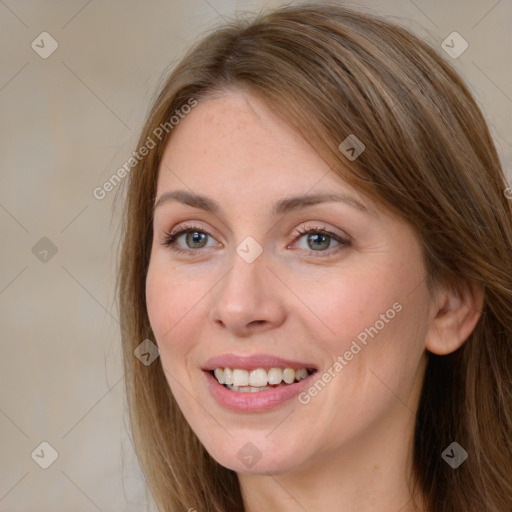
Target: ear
x,y
455,314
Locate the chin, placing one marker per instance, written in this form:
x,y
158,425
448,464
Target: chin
x,y
256,456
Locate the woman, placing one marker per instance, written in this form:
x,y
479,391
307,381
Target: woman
x,y
319,245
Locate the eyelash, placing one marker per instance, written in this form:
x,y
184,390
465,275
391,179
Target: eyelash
x,y
171,237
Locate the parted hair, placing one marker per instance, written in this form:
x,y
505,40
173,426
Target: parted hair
x,y
329,72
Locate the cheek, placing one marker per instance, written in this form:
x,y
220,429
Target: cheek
x,y
172,305
370,318
344,305
171,302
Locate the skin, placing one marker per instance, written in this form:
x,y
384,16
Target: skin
x,y
349,447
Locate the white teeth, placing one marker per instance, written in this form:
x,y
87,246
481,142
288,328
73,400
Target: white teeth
x,y
237,379
301,373
240,377
275,376
228,376
258,378
248,389
289,375
219,373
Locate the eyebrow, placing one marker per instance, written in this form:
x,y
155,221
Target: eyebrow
x,y
281,207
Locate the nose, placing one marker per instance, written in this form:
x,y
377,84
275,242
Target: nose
x,y
247,299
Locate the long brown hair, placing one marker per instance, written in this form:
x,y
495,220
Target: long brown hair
x,y
330,72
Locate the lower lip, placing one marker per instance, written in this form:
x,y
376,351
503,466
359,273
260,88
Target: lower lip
x,y
254,402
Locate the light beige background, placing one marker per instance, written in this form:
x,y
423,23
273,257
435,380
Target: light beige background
x,y
67,123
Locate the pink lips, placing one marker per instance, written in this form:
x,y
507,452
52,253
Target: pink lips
x,y
253,362
259,401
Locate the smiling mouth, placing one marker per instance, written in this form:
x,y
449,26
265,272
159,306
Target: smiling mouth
x,y
260,379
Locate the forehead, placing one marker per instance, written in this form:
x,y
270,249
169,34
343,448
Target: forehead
x,y
235,140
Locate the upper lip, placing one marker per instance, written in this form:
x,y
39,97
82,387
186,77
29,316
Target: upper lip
x,y
253,362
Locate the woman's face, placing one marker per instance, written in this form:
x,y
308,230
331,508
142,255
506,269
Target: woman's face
x,y
256,286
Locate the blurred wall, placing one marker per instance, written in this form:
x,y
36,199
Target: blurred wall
x,y
70,116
